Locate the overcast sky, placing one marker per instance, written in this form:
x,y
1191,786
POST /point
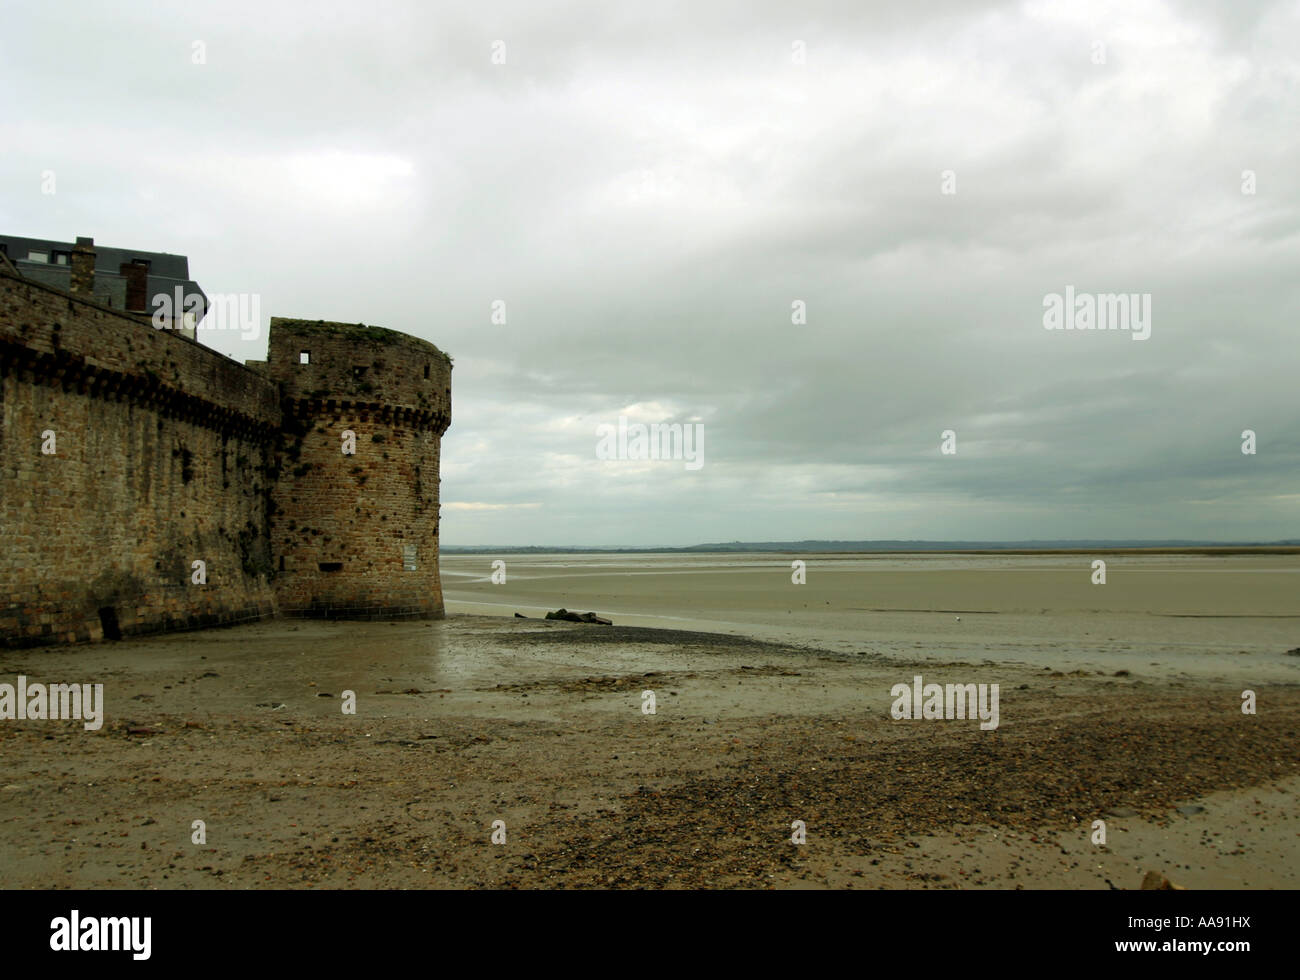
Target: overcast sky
x,y
649,187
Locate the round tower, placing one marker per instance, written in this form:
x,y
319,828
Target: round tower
x,y
354,527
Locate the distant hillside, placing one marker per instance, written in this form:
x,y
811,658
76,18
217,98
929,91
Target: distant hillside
x,y
813,547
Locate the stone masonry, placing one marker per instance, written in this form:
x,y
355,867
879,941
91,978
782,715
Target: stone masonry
x,y
355,526
148,483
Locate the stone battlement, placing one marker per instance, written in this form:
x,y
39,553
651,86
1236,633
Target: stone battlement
x,y
149,483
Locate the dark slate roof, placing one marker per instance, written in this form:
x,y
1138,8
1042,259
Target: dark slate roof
x,y
166,271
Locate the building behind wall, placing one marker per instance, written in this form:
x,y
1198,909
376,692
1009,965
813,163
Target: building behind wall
x,y
125,279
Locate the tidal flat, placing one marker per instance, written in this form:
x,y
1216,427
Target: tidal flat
x,y
538,732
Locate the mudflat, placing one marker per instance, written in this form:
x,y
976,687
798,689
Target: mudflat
x,y
542,726
1229,616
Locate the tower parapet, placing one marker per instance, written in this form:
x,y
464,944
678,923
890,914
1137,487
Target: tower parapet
x,y
355,526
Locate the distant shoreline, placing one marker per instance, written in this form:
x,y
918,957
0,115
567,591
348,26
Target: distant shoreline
x,y
790,549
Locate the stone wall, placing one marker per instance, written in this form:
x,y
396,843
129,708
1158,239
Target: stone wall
x,y
162,457
357,533
166,453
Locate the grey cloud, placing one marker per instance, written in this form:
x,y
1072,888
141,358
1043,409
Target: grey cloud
x,y
649,187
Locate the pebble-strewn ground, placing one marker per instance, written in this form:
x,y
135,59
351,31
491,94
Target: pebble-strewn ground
x,y
473,720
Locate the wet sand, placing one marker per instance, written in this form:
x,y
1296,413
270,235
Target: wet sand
x,y
1228,617
539,724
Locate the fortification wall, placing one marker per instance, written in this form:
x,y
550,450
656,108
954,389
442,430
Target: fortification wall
x,y
358,532
163,454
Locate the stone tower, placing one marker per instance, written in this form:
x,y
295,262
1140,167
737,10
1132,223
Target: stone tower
x,y
354,525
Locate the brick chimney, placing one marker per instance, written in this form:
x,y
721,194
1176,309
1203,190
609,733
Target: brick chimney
x,y
137,286
83,268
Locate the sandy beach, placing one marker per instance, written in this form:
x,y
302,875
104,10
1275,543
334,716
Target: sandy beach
x,y
477,719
